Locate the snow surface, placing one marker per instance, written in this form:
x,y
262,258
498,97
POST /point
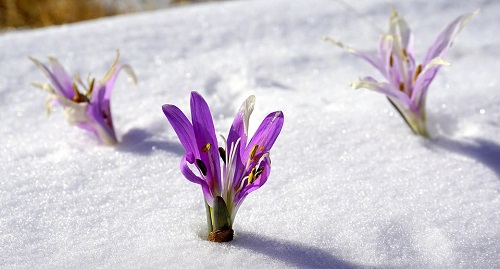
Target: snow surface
x,y
351,186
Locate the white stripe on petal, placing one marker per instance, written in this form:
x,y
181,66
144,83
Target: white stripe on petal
x,y
247,109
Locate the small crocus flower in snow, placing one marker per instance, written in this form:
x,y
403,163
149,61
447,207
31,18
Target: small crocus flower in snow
x,y
229,173
88,109
407,82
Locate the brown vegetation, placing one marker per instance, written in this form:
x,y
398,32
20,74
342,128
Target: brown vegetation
x,y
39,13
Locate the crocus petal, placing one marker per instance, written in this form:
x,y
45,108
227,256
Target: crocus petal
x,y
182,127
446,37
385,52
372,59
248,188
204,133
239,128
203,124
74,112
266,134
425,78
100,113
399,28
382,87
235,168
58,76
89,117
189,175
110,83
87,126
110,77
62,78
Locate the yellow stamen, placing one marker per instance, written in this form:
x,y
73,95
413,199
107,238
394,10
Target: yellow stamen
x,y
91,87
206,147
251,176
405,55
78,98
417,72
253,151
401,86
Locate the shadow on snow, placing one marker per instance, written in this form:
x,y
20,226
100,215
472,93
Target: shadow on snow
x,y
139,141
294,253
484,151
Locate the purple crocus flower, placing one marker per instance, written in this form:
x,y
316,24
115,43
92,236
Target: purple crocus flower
x,y
89,109
226,174
407,82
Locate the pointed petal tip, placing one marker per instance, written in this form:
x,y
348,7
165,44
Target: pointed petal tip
x,y
53,60
111,71
116,67
195,94
248,105
395,15
441,61
470,16
169,109
475,12
37,85
39,64
467,17
196,97
434,62
357,84
33,59
128,69
165,107
327,39
333,41
278,114
394,11
251,99
365,83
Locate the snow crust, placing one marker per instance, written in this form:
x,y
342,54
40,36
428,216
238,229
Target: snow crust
x,y
351,186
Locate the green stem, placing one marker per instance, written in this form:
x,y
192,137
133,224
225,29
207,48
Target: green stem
x,y
218,217
221,217
209,218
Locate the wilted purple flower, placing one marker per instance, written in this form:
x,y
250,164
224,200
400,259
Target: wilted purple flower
x,y
407,82
245,166
89,109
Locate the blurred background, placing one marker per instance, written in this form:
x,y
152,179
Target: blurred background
x,y
18,14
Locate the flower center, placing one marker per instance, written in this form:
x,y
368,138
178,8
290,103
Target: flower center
x,y
83,98
254,174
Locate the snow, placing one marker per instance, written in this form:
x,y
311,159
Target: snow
x,y
351,186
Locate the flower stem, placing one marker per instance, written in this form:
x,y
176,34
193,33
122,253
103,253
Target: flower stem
x,y
416,122
220,222
209,217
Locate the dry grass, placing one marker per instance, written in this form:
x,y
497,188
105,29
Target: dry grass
x,y
39,13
